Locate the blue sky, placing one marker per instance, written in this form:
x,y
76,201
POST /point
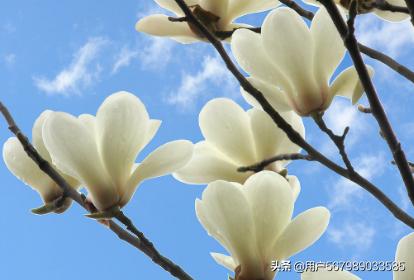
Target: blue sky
x,y
70,55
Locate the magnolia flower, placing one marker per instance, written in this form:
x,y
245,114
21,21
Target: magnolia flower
x,y
367,6
24,168
292,64
100,151
404,260
217,15
253,222
235,138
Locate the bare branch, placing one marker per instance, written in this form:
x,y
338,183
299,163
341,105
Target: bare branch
x,y
140,242
385,6
365,110
410,6
257,167
293,135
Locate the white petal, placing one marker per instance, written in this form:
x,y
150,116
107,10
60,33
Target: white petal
x,y
89,121
122,123
24,168
223,260
331,274
391,16
227,210
160,25
294,185
256,62
271,199
238,8
276,98
405,254
172,6
165,159
329,48
74,151
225,125
312,3
288,42
37,135
347,84
302,232
153,127
208,165
217,7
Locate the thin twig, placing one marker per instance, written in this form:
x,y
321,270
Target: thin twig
x,y
257,167
293,135
385,6
377,109
365,110
140,242
410,6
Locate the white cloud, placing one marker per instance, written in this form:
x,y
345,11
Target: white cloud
x,y
352,236
124,58
157,53
213,73
344,192
9,59
393,39
82,71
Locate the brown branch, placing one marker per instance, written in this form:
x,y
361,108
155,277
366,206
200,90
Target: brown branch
x,y
293,135
365,110
385,6
257,167
410,6
377,109
140,242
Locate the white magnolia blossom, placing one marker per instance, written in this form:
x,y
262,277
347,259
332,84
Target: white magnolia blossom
x,y
217,15
100,151
292,64
236,138
365,6
404,259
254,223
24,168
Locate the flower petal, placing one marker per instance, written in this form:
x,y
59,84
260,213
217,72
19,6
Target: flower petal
x,y
217,7
74,151
289,44
238,8
165,159
273,95
271,199
208,165
404,254
294,186
153,127
256,63
347,84
160,25
122,122
24,168
302,232
328,274
223,260
172,6
227,210
225,125
329,48
37,135
393,16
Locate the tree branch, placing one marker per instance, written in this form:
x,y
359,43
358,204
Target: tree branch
x,y
140,242
410,6
377,109
385,6
293,135
257,167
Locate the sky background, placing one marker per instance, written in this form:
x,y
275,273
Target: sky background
x,y
70,55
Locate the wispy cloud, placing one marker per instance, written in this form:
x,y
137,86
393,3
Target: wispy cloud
x,y
82,71
212,74
352,236
124,58
157,53
391,38
9,59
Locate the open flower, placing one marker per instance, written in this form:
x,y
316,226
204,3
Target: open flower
x,y
217,15
235,138
24,168
367,6
253,222
292,64
100,151
403,267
